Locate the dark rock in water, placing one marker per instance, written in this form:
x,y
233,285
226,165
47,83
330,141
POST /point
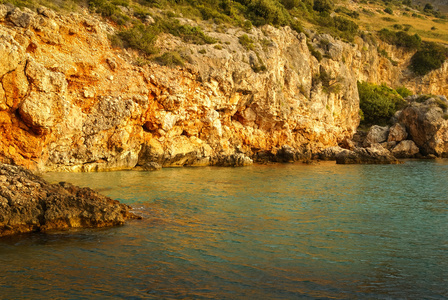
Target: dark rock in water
x,y
330,153
151,166
28,204
286,154
371,155
234,160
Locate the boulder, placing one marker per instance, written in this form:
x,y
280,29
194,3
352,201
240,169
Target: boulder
x,y
388,145
426,124
377,134
371,155
405,149
21,18
29,204
330,153
286,154
397,133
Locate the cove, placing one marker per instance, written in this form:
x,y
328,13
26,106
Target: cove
x,y
284,231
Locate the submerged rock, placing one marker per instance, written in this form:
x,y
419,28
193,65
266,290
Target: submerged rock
x,y
234,160
330,153
371,155
29,204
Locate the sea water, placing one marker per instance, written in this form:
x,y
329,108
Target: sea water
x,y
283,231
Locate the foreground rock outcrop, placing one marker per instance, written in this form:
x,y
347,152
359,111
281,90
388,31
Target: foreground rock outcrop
x,y
30,204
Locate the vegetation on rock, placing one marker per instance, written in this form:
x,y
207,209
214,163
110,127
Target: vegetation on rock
x,y
429,57
378,103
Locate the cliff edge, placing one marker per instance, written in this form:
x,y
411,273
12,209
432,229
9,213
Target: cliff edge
x,y
71,102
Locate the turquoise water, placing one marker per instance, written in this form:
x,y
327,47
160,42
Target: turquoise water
x,y
288,231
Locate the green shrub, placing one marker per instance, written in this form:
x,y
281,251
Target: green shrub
x,y
423,98
109,9
314,52
441,103
400,39
389,19
290,4
246,42
368,12
138,37
189,34
378,103
170,59
389,11
338,26
262,12
430,57
323,6
406,27
348,12
403,91
347,27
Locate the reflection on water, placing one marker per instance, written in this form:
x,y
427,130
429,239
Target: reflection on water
x,y
268,232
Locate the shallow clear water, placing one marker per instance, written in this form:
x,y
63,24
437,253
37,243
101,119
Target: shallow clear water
x,y
289,231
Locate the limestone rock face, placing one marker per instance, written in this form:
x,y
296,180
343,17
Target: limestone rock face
x,y
427,126
405,149
70,102
28,204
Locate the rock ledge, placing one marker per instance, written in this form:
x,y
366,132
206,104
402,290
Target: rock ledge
x,y
30,204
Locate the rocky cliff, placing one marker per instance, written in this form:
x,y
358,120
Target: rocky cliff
x,y
70,102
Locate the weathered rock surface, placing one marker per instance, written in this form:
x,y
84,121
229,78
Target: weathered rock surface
x,y
376,135
397,133
330,153
427,125
73,103
370,155
70,102
405,149
29,204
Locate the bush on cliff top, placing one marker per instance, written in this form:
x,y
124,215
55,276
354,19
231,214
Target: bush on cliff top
x,y
430,57
378,103
400,39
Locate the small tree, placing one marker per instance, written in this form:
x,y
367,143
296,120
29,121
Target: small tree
x,y
323,6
